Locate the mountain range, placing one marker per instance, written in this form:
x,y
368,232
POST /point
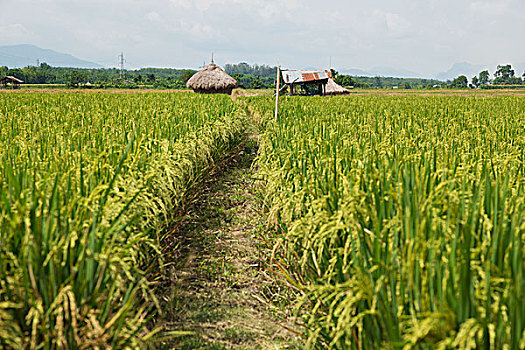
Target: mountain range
x,y
383,72
18,56
464,68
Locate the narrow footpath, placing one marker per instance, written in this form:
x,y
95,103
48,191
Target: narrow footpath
x,y
220,292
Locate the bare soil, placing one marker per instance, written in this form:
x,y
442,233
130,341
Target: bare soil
x,y
30,90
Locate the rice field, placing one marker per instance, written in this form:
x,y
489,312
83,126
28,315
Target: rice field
x,y
87,184
396,220
401,218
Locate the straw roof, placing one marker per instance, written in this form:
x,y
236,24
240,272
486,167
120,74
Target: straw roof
x,y
211,79
332,88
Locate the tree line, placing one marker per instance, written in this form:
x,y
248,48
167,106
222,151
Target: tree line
x,y
504,76
101,77
384,82
252,76
247,76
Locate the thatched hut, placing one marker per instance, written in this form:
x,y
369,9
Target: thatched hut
x,y
332,88
12,81
212,80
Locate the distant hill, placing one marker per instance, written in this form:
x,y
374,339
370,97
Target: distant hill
x,y
394,72
18,56
464,68
383,72
355,72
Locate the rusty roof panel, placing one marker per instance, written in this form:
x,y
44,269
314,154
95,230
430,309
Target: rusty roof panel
x,y
303,76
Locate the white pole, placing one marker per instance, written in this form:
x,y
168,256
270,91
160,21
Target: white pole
x,y
277,92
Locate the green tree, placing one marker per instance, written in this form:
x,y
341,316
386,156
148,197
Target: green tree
x,y
505,76
484,78
151,78
187,74
45,66
345,80
257,83
505,71
377,82
241,82
75,78
475,81
244,68
460,82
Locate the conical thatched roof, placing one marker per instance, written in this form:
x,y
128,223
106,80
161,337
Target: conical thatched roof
x,y
212,79
332,88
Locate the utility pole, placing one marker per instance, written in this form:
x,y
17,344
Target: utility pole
x,y
277,91
121,62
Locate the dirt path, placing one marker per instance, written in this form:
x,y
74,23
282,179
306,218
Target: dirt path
x,y
220,292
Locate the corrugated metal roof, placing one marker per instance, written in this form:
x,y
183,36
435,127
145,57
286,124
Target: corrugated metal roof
x,y
303,76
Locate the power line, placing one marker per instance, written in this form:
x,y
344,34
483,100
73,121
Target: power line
x,y
121,62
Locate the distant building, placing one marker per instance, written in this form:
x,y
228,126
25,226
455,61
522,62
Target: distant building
x,y
10,81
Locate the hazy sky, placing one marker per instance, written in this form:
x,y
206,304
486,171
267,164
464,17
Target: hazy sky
x,y
425,36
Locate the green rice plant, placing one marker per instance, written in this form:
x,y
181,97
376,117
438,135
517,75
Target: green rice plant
x,y
401,217
87,184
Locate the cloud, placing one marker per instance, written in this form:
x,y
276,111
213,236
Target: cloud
x,y
424,36
397,25
204,5
491,8
152,16
14,33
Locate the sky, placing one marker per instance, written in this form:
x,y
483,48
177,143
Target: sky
x,y
424,36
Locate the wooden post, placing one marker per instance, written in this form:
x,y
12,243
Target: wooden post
x,y
277,92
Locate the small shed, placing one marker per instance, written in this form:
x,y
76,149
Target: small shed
x,y
212,80
12,81
332,88
318,79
